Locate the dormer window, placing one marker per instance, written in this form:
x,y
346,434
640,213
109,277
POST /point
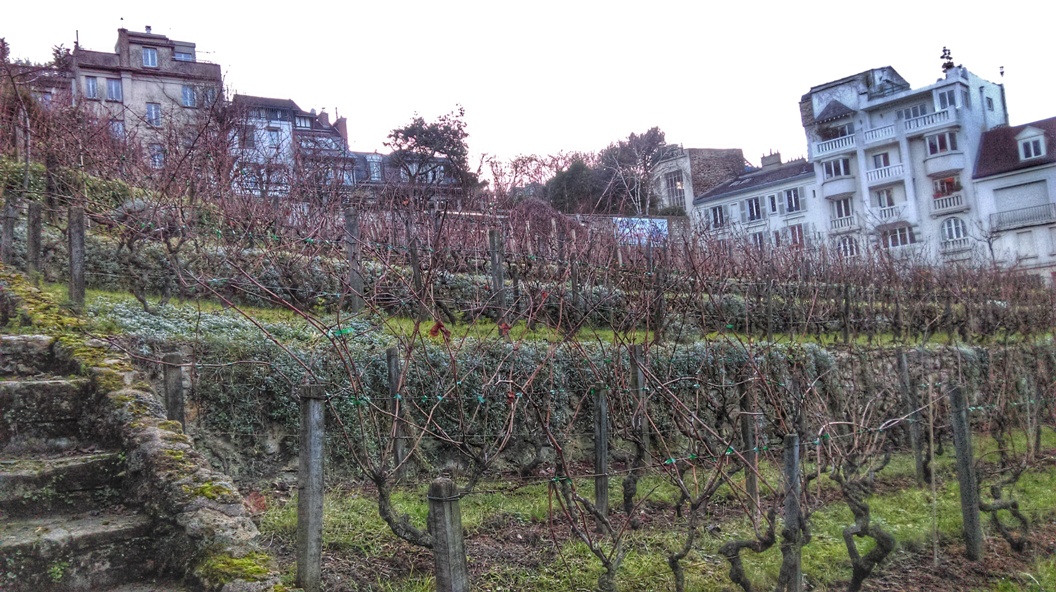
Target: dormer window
x,y
304,122
1031,143
150,57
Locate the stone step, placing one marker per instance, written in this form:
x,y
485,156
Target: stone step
x,y
41,414
35,485
150,586
25,355
78,552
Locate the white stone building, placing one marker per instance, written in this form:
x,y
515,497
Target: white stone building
x,y
893,163
1015,185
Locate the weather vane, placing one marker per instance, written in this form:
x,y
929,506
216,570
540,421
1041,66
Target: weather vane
x,y
947,59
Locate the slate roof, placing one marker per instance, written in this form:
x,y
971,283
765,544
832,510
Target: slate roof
x,y
265,102
999,150
834,110
758,179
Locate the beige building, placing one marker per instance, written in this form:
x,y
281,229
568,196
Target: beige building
x,y
147,85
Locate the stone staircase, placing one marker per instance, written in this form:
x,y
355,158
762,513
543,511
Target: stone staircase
x,y
66,522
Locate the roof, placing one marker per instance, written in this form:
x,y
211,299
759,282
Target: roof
x,y
999,150
265,102
758,179
834,110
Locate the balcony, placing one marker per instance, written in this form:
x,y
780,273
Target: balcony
x,y
1032,216
845,224
889,213
839,186
944,164
926,121
948,204
880,133
835,145
955,245
888,173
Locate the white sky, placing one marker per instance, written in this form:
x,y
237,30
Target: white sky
x,y
549,76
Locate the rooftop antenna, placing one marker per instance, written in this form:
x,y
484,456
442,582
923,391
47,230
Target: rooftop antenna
x,y
947,60
1002,71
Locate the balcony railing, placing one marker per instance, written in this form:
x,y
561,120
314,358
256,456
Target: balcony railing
x,y
834,145
845,223
926,120
890,212
954,245
947,203
880,133
1043,214
883,173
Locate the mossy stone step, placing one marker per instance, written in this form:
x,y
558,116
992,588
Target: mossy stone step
x,y
42,413
22,355
80,552
36,485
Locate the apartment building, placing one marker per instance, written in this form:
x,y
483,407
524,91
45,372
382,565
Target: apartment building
x,y
1015,184
147,87
776,204
893,163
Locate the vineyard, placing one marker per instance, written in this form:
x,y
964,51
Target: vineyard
x,y
679,412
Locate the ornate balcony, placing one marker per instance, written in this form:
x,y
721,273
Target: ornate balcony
x,y
880,133
926,121
889,213
845,224
955,245
835,145
888,173
948,204
1032,216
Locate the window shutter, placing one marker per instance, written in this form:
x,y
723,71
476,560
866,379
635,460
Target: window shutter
x,y
744,211
782,198
802,199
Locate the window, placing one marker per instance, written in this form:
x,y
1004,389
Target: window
x,y
275,115
208,96
154,114
939,143
837,131
898,237
375,170
947,99
881,160
676,195
117,129
758,240
305,122
751,210
885,198
718,216
842,208
953,229
189,98
113,89
1025,247
247,137
150,57
966,99
913,112
837,168
274,138
182,56
947,186
847,246
795,235
1031,148
792,201
157,156
989,104
91,87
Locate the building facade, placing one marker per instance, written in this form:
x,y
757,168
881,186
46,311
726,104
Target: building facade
x,y
1015,183
893,163
683,173
776,205
147,86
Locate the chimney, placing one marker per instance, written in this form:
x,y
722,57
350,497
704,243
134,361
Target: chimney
x,y
148,29
771,160
324,119
341,125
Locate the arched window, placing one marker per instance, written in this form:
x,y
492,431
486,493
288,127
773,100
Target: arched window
x,y
953,229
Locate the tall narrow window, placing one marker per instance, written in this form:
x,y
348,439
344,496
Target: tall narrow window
x,y
792,202
885,198
154,114
189,97
675,192
157,156
91,87
113,89
881,160
947,99
150,57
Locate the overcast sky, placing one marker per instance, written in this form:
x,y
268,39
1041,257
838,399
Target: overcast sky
x,y
547,76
